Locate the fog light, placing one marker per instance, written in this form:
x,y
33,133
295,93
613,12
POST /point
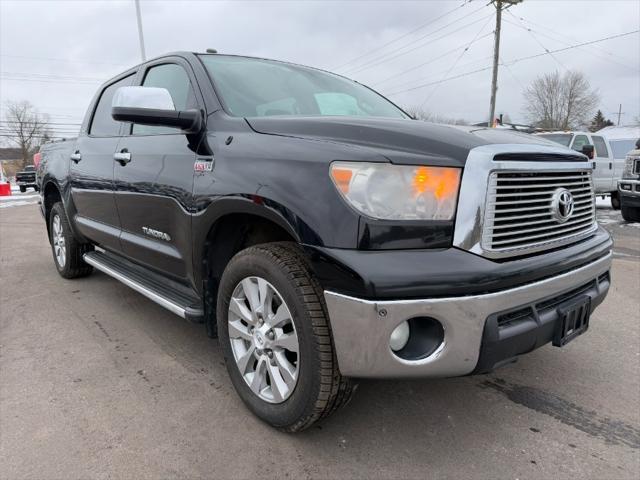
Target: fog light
x,y
399,337
625,186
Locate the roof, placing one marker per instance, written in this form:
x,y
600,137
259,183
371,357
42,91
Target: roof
x,y
10,154
625,133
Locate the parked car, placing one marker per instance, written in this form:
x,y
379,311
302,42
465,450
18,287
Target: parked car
x,y
319,232
606,168
27,178
629,186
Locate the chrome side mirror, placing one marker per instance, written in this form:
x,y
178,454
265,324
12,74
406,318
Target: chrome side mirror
x,y
143,97
153,106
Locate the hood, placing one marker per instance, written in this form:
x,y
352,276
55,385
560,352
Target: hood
x,y
402,141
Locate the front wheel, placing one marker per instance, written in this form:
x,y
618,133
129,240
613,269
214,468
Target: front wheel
x,y
631,214
615,200
23,189
275,334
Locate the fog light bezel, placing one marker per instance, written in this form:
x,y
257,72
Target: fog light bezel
x,y
426,337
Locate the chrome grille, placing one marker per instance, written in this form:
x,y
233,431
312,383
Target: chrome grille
x,y
519,215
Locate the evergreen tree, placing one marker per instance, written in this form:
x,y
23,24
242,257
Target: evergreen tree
x,y
599,122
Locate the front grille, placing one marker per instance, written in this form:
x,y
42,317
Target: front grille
x,y
520,210
636,166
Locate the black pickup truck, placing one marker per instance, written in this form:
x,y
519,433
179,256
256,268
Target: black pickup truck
x,y
27,178
321,233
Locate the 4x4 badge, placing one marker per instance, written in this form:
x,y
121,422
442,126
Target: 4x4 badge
x,y
203,165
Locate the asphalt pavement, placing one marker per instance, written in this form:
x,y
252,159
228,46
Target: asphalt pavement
x,y
96,381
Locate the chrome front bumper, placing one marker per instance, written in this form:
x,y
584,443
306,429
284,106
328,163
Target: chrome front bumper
x,y
633,185
361,328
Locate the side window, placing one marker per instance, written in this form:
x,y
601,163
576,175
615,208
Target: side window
x,y
601,146
102,125
175,79
579,142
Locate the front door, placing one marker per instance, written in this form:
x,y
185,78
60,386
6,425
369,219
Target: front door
x,y
154,181
91,173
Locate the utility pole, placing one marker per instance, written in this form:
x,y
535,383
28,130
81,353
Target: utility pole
x,y
140,34
620,113
500,5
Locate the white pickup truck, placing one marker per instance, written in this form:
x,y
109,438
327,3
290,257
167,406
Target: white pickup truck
x,y
607,167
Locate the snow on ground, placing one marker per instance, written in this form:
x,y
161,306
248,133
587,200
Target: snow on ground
x,y
17,199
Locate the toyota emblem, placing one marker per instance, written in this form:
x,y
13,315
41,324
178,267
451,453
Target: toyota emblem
x,y
562,205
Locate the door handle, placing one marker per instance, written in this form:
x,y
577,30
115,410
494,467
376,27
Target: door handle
x,y
610,166
122,157
76,156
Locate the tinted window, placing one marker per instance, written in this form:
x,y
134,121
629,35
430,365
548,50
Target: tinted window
x,y
601,146
561,138
579,142
175,79
620,148
252,87
102,124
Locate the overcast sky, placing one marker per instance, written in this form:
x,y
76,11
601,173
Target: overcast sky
x,y
56,53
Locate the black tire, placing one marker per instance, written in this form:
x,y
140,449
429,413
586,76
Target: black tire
x,y
320,388
23,189
631,214
74,266
615,201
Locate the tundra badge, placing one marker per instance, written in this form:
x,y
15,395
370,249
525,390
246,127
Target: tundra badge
x,y
156,234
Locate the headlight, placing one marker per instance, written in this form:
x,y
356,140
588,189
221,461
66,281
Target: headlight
x,y
398,192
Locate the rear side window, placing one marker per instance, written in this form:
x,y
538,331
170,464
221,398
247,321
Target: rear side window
x,y
102,125
175,79
579,142
601,146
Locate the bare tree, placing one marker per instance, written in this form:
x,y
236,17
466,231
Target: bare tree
x,y
25,127
420,114
561,102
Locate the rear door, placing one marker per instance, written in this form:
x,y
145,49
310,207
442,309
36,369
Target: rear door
x,y
91,173
604,162
154,188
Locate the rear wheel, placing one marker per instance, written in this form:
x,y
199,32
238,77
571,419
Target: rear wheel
x,y
631,214
276,338
67,251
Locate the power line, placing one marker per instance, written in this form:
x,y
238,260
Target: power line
x,y
566,43
61,60
389,55
448,52
571,39
37,123
456,62
517,60
377,50
537,40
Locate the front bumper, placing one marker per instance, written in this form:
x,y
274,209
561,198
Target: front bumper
x,y
630,191
361,328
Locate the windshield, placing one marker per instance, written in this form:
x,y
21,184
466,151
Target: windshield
x,y
620,148
561,138
251,87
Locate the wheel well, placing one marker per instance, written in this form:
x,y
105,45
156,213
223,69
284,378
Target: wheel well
x,y
51,197
228,236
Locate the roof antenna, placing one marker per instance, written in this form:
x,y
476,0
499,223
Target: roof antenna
x,y
212,50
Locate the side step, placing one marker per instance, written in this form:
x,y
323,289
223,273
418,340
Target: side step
x,y
171,295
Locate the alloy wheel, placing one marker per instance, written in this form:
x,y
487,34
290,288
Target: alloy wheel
x,y
59,248
263,339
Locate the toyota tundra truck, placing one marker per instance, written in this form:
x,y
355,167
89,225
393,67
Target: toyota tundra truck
x,y
321,233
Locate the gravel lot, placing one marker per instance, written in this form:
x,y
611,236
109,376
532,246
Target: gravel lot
x,y
96,381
